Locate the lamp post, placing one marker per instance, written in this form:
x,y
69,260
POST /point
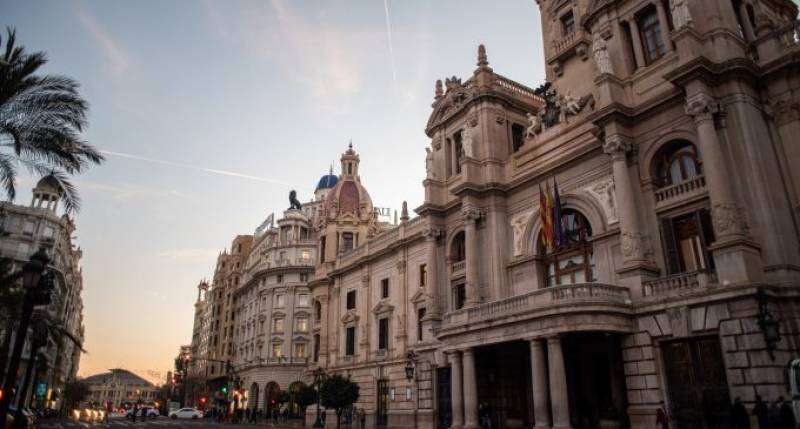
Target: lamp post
x,y
319,377
769,326
37,282
411,360
38,341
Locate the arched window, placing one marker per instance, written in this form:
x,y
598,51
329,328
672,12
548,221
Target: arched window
x,y
677,162
458,249
572,261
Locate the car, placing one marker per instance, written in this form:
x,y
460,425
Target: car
x,y
186,413
151,413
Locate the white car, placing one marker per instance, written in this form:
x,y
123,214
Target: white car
x,y
186,413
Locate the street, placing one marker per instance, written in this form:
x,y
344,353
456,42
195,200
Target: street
x,y
156,424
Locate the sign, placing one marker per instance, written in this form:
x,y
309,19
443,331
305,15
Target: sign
x,y
41,389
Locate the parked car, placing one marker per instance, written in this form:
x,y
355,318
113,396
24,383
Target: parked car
x,y
186,413
151,413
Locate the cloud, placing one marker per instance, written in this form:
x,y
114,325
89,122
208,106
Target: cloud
x,y
389,37
196,168
118,60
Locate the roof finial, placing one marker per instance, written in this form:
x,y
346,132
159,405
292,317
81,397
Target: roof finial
x,y
439,91
483,61
350,146
330,170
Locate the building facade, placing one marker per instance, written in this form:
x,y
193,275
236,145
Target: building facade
x,y
120,388
24,231
620,240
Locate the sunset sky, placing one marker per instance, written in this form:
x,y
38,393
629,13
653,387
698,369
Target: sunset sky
x,y
211,112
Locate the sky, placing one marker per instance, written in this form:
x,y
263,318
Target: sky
x,y
210,112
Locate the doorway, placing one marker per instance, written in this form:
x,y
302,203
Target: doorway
x,y
444,400
698,387
381,413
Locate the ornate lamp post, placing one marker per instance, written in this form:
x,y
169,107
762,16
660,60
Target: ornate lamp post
x,y
37,282
319,377
411,358
769,326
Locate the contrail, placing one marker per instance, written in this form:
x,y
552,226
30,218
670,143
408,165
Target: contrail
x,y
389,33
194,167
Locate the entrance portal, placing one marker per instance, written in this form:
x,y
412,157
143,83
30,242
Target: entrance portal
x,y
698,387
444,398
595,380
381,415
504,384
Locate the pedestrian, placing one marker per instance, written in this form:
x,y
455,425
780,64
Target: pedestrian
x,y
133,413
662,418
739,415
787,415
774,416
108,411
761,412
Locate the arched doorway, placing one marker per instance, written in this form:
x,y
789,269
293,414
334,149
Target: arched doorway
x,y
272,393
253,397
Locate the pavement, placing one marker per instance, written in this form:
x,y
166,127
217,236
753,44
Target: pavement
x,y
159,423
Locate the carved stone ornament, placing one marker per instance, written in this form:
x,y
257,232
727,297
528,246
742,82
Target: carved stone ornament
x,y
557,108
429,171
468,141
632,245
431,233
617,146
471,214
681,17
401,266
600,53
603,191
518,224
702,107
728,219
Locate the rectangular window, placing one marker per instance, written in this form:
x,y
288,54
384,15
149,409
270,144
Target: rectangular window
x,y
302,324
385,288
423,275
303,300
420,316
303,277
48,232
383,334
316,347
568,23
277,325
351,300
686,239
300,350
279,278
277,350
459,151
350,341
279,301
347,241
28,228
650,35
517,137
459,296
305,255
322,249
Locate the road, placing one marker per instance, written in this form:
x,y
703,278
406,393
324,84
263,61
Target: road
x,y
160,423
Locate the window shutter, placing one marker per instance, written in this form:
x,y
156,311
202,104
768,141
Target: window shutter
x,y
706,234
670,246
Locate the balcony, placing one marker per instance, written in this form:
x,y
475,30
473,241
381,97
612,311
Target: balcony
x,y
677,284
668,195
543,299
458,268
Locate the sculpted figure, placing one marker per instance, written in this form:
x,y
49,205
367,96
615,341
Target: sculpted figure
x,y
294,204
601,57
467,142
534,125
429,163
681,16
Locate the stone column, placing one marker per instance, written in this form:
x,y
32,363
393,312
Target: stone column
x,y
737,258
433,294
633,241
470,391
637,44
558,384
541,395
456,395
663,22
471,215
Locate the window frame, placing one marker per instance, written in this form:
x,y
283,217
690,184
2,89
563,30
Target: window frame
x,y
653,47
383,334
351,300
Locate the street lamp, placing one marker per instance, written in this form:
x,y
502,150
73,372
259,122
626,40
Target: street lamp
x,y
769,326
411,358
319,377
37,282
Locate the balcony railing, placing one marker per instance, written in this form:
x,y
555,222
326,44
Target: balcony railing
x,y
677,284
458,267
581,293
671,192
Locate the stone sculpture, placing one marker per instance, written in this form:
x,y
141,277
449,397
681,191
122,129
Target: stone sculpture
x,y
294,204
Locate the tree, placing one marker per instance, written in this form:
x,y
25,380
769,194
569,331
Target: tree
x,y
338,393
306,395
41,119
75,391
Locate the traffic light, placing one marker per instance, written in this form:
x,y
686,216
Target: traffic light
x,y
224,390
202,399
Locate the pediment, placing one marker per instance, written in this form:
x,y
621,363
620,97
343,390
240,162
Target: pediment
x,y
349,317
453,102
419,297
299,339
382,307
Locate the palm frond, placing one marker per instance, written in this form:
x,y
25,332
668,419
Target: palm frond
x,y
69,195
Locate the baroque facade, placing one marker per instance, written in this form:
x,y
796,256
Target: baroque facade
x,y
664,135
120,388
24,231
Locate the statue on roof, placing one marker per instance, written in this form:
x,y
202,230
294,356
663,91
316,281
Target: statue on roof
x,y
294,203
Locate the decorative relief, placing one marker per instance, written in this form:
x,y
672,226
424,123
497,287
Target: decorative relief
x,y
518,224
600,54
558,108
702,107
431,233
617,146
632,245
468,141
471,214
401,266
603,192
429,171
681,17
728,219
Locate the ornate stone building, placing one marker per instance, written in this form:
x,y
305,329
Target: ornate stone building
x,y
24,231
621,239
120,388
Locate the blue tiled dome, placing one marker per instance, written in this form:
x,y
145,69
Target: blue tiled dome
x,y
327,181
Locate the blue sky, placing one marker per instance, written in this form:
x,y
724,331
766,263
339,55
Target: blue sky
x,y
264,93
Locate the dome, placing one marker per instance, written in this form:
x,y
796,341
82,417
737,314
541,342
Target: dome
x,y
327,181
348,197
49,183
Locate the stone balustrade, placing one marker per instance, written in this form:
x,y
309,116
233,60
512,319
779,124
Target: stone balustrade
x,y
678,190
541,299
677,284
458,267
506,85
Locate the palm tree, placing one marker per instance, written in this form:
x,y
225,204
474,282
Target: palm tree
x,y
41,118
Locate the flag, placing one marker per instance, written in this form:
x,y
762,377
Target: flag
x,y
560,238
549,213
544,218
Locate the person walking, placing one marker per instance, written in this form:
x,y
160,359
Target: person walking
x,y
133,412
787,415
761,412
739,415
